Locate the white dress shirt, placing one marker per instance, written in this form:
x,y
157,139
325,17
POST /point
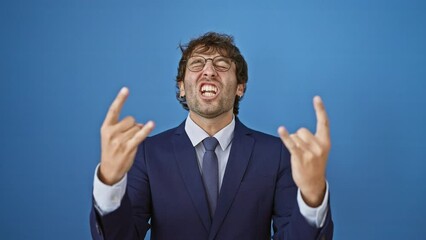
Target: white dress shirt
x,y
108,198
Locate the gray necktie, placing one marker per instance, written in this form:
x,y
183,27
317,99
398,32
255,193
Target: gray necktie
x,y
211,172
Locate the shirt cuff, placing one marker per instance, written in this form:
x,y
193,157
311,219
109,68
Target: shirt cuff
x,y
315,216
108,198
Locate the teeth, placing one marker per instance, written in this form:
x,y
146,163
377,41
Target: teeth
x,y
209,88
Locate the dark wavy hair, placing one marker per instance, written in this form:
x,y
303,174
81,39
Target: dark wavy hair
x,y
212,42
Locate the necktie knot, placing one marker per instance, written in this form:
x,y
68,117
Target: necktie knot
x,y
210,143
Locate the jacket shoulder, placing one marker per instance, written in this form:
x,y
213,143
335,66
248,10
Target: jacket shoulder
x,y
258,135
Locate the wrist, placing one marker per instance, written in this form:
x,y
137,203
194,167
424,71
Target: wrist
x,y
314,196
106,177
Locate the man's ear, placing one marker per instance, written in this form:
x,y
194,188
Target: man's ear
x,y
181,89
240,89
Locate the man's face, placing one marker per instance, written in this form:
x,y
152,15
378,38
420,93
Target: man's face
x,y
210,93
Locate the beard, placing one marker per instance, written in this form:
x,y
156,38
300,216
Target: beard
x,y
210,108
209,111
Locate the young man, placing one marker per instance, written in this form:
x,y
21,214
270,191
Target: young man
x,y
211,177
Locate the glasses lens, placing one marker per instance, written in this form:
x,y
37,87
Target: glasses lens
x,y
196,63
222,64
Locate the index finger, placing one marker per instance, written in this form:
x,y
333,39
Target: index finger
x,y
323,129
114,110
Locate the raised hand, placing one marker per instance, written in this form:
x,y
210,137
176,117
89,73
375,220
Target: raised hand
x,y
119,141
309,155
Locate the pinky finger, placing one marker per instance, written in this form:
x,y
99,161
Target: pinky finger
x,y
288,142
141,134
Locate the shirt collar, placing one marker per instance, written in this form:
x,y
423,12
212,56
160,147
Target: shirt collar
x,y
196,134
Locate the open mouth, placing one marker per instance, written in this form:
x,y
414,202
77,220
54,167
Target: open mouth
x,y
208,90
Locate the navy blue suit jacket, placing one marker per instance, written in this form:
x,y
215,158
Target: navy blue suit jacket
x,y
165,187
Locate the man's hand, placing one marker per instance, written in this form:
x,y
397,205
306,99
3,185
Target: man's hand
x,y
309,155
119,141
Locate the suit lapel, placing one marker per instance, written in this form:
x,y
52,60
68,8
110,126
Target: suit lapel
x,y
239,157
186,159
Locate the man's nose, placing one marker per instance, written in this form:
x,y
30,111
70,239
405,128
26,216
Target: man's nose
x,y
209,70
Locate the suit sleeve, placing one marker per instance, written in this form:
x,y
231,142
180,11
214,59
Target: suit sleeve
x,y
288,222
131,220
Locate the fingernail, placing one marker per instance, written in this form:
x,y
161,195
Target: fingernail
x,y
124,90
150,124
317,99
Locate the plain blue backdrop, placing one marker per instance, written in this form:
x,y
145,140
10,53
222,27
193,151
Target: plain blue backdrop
x,y
62,63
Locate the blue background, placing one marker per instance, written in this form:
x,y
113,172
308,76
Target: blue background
x,y
62,63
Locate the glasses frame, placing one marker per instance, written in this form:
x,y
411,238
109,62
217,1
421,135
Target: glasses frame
x,y
212,59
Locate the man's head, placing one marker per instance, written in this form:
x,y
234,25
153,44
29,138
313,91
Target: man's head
x,y
213,44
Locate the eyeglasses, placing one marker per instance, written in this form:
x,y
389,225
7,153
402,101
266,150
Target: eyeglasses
x,y
220,63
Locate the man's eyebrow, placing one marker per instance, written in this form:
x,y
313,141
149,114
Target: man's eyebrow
x,y
203,55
